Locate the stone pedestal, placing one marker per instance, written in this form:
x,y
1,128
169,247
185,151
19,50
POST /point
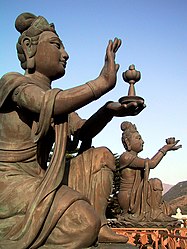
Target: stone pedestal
x,y
114,246
99,246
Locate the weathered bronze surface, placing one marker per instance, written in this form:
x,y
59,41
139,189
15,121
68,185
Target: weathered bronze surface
x,y
50,206
141,197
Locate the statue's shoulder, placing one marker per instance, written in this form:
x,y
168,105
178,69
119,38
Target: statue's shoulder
x,y
13,74
9,82
12,80
125,159
12,77
126,156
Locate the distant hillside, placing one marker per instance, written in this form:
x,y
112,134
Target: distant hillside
x,y
166,187
176,191
180,202
177,196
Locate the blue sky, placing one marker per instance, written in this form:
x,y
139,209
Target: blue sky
x,y
154,38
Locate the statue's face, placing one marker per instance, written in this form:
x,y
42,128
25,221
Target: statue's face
x,y
50,57
136,142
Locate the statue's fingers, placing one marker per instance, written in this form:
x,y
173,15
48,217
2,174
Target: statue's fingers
x,y
132,104
176,142
109,47
116,44
177,147
117,67
119,42
108,50
139,109
114,106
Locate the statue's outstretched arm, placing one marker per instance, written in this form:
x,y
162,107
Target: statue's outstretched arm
x,y
139,163
171,144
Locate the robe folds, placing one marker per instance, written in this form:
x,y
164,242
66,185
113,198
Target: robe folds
x,y
32,197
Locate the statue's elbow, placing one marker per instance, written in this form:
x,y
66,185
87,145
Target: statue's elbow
x,y
152,164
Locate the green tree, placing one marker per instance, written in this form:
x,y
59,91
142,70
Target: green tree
x,y
114,209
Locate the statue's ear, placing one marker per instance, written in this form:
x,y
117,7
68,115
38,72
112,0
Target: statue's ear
x,y
29,50
27,46
128,144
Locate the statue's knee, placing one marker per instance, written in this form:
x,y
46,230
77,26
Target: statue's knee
x,y
92,223
93,220
77,228
105,158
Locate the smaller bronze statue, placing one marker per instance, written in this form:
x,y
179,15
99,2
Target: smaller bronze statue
x,y
140,198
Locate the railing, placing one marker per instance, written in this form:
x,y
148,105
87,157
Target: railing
x,y
155,238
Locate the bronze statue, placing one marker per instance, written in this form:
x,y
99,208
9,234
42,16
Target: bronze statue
x,y
139,197
36,205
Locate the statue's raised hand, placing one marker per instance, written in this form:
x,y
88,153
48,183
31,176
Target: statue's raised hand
x,y
171,144
110,68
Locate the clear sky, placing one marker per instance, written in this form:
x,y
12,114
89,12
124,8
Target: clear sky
x,y
154,36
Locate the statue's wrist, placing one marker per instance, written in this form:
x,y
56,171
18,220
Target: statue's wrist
x,y
163,151
95,90
106,112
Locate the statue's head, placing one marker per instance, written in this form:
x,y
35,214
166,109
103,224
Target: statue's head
x,y
131,138
39,46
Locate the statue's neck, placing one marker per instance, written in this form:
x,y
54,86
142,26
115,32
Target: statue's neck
x,y
40,79
134,153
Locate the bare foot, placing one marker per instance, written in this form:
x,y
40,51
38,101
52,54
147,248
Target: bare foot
x,y
106,234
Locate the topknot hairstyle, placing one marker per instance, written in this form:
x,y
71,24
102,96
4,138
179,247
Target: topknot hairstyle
x,y
128,128
24,21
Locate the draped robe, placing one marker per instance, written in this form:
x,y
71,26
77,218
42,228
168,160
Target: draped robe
x,y
29,198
